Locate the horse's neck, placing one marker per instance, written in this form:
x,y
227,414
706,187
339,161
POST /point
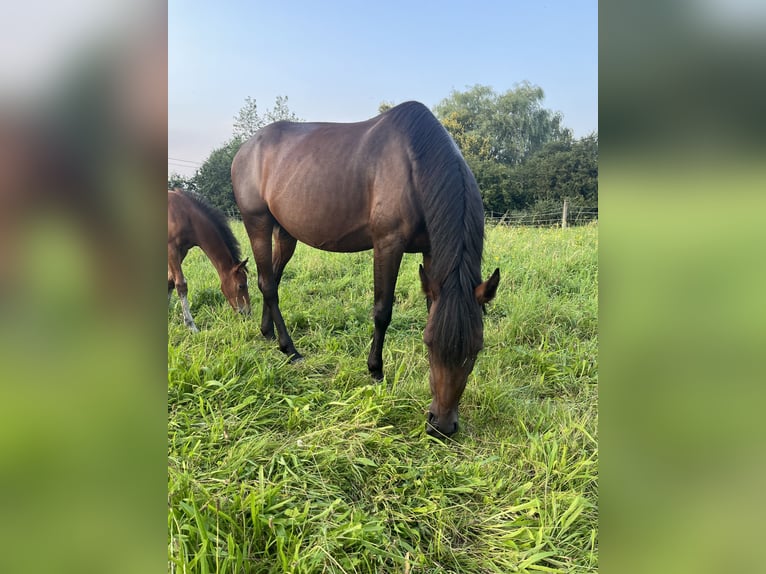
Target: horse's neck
x,y
215,247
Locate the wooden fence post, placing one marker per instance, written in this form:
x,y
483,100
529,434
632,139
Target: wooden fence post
x,y
564,213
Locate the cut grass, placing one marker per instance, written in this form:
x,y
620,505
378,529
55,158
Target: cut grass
x,y
274,467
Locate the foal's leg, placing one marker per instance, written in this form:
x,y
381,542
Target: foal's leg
x,y
284,247
388,257
259,229
176,276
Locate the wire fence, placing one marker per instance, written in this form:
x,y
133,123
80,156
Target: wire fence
x,y
555,218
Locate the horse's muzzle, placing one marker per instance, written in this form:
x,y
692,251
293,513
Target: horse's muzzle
x,y
434,430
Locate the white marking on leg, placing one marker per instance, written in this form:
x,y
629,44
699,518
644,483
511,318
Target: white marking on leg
x,y
187,314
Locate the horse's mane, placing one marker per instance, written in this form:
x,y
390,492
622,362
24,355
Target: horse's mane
x,y
455,220
218,219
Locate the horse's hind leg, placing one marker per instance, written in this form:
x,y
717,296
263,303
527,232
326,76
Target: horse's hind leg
x,y
284,247
387,261
259,229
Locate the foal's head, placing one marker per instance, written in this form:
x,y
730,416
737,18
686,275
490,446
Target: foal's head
x,y
234,287
454,336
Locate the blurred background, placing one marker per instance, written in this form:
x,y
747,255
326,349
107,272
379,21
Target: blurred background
x,y
682,266
83,116
83,110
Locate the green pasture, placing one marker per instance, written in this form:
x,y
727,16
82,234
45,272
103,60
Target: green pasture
x,y
313,467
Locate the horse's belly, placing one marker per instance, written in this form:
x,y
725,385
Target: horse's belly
x,y
349,243
328,233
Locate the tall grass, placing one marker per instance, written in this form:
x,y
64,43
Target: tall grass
x,y
312,467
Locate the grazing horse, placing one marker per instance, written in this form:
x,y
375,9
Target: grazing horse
x,y
395,183
192,222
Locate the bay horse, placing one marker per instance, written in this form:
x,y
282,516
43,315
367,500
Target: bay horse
x,y
193,222
395,184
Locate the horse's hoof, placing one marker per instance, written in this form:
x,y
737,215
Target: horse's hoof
x,y
296,358
377,376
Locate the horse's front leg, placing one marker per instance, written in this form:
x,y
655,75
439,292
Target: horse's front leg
x,y
176,277
387,261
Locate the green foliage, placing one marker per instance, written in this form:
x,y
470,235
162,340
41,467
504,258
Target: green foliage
x,y
274,467
248,120
523,158
506,128
385,106
563,169
213,178
176,180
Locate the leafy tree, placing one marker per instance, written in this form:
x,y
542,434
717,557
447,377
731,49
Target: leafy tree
x,y
519,151
176,180
564,169
281,111
506,128
213,178
248,120
494,180
385,106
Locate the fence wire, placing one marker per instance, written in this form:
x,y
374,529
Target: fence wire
x,y
575,216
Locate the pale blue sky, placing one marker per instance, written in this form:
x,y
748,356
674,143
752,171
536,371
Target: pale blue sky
x,y
337,60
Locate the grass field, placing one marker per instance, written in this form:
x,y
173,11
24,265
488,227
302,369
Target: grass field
x,y
312,467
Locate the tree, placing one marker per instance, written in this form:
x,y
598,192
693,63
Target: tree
x,y
213,178
506,128
565,169
498,134
176,180
248,120
281,111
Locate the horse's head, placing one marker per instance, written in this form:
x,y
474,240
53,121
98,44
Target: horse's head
x,y
234,287
454,336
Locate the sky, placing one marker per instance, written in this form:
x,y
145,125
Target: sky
x,y
337,60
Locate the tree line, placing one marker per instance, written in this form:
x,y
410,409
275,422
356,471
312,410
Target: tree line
x,y
525,160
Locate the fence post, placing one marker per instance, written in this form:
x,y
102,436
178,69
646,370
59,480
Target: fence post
x,y
564,213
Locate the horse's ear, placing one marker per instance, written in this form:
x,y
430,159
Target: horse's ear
x,y
485,292
425,282
242,264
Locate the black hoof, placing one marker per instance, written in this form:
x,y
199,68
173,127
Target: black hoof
x,y
296,357
377,375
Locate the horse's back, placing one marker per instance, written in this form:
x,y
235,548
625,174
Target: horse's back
x,y
334,186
